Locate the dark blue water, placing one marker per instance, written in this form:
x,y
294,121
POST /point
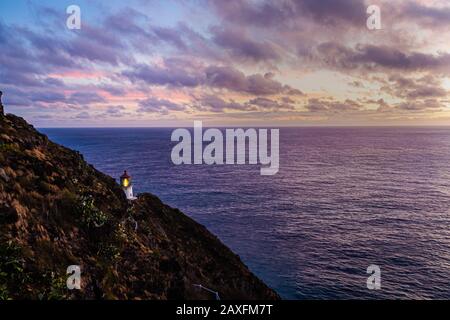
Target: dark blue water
x,y
344,198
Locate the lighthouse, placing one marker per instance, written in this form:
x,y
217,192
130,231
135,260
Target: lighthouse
x,y
2,111
127,186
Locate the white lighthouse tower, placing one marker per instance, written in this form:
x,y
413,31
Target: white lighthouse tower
x,y
127,186
2,111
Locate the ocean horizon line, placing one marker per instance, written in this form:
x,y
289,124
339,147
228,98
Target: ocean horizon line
x,y
259,127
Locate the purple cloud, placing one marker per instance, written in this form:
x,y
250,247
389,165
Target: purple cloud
x,y
371,57
235,80
426,15
332,106
81,97
173,76
155,105
242,46
180,75
216,104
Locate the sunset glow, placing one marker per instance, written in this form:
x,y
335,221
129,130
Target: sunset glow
x,y
252,63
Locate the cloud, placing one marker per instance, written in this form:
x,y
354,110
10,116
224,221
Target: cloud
x,y
243,47
223,77
95,52
373,57
155,105
235,80
334,11
47,97
426,105
83,115
412,88
115,90
269,104
261,13
52,82
236,56
426,91
171,36
115,111
315,105
279,13
426,15
168,75
420,105
49,50
128,23
82,97
214,103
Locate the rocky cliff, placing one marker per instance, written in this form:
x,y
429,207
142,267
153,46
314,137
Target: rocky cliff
x,y
57,210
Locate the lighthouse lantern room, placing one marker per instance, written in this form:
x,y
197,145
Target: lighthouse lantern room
x,y
127,186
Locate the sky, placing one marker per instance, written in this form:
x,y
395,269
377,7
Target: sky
x,y
245,63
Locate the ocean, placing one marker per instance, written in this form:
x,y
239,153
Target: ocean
x,y
343,199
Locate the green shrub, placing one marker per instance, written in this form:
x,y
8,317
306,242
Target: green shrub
x,y
57,287
91,215
9,148
109,251
4,294
48,188
11,268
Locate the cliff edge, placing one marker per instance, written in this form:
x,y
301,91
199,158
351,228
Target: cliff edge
x,y
56,210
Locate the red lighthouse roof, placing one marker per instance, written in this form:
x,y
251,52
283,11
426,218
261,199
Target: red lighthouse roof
x,y
125,175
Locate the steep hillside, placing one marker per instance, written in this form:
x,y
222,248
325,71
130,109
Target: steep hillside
x,y
56,210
